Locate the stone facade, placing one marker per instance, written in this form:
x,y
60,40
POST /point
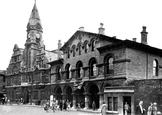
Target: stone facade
x,y
89,67
28,74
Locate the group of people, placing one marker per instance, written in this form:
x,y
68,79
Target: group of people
x,y
57,105
152,109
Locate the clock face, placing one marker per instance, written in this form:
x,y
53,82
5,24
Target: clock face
x,y
38,35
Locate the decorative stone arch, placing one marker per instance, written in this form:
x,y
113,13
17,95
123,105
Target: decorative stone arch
x,y
79,48
67,93
92,44
58,92
68,71
108,63
93,91
73,49
93,71
79,68
86,46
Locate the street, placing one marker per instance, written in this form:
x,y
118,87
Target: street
x,y
30,110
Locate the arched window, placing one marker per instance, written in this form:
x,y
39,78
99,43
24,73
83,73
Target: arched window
x,y
73,50
79,67
93,45
58,71
93,67
86,46
68,53
68,71
109,66
155,68
79,48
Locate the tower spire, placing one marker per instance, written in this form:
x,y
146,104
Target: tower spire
x,y
34,20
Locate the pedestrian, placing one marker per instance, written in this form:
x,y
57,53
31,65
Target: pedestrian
x,y
154,108
60,105
139,109
65,105
53,105
126,108
47,105
93,105
150,111
68,104
103,109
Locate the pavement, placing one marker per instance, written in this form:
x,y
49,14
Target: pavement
x,y
86,111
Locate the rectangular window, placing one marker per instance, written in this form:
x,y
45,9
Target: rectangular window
x,y
109,103
112,103
115,103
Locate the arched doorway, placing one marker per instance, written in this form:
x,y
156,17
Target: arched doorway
x,y
93,90
69,96
25,95
58,93
80,97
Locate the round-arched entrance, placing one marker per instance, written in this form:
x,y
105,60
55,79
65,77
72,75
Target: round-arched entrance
x,y
69,96
80,97
58,93
93,90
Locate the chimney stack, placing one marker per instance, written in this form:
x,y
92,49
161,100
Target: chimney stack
x,y
59,46
144,35
134,39
81,28
101,30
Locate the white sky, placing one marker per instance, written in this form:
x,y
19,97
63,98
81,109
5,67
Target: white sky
x,y
62,18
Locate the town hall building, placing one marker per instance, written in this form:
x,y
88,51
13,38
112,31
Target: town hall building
x,y
89,67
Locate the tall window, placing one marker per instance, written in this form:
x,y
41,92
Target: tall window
x,y
93,45
68,71
93,68
58,71
79,69
73,50
112,103
68,53
155,68
79,48
109,66
86,47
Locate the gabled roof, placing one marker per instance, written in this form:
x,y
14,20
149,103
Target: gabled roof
x,y
100,36
133,45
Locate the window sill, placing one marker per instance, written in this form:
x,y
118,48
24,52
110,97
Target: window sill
x,y
112,112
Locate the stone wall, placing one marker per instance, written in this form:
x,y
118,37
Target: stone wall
x,y
149,90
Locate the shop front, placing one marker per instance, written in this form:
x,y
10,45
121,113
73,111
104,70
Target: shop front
x,y
117,98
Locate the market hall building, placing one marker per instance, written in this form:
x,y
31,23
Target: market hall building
x,y
99,68
89,67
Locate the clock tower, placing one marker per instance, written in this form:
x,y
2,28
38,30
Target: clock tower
x,y
34,44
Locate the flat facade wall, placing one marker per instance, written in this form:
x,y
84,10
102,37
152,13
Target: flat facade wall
x,y
148,91
141,64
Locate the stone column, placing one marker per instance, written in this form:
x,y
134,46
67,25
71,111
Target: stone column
x,y
74,101
101,99
63,96
86,100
